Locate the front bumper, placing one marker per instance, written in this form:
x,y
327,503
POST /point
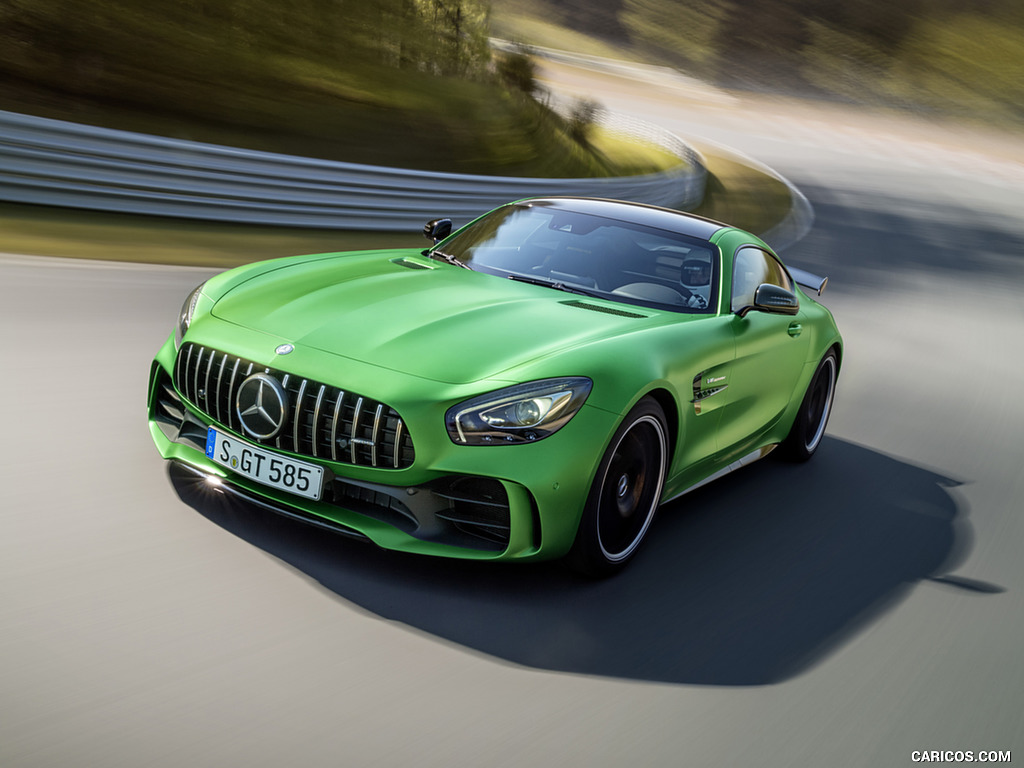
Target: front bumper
x,y
474,502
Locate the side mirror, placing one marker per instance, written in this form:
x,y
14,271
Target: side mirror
x,y
437,229
773,299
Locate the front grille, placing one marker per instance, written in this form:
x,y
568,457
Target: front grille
x,y
323,422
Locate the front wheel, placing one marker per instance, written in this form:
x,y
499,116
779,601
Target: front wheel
x,y
625,494
809,427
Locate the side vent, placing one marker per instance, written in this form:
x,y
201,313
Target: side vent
x,y
706,386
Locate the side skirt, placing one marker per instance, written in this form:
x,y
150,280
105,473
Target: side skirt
x,y
750,458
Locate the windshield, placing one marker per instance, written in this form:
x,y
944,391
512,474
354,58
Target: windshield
x,y
582,253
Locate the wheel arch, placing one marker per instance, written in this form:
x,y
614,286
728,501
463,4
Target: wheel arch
x,y
838,348
670,407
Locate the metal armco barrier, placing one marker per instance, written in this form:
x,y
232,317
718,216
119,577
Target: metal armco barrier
x,y
52,162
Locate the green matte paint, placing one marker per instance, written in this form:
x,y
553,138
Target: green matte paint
x,y
421,336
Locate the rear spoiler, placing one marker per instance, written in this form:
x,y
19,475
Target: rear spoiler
x,y
808,280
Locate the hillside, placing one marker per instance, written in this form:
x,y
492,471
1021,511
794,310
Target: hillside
x,y
965,59
407,83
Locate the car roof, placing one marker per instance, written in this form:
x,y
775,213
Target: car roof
x,y
637,213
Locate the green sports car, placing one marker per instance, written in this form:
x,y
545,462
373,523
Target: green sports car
x,y
533,385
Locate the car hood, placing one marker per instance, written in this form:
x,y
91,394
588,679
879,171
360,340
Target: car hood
x,y
421,317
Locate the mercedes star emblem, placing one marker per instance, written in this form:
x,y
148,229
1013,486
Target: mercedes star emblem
x,y
262,405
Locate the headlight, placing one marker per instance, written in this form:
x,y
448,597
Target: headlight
x,y
524,413
188,309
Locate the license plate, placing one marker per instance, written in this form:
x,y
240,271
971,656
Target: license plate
x,y
265,467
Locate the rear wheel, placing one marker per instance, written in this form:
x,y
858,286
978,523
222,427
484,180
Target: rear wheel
x,y
625,494
809,427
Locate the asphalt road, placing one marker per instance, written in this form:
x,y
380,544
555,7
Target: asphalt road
x,y
843,613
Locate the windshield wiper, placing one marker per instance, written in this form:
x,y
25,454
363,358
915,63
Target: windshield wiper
x,y
553,284
448,259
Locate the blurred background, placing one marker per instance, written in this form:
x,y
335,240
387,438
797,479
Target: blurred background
x,y
414,83
470,86
406,83
846,612
932,56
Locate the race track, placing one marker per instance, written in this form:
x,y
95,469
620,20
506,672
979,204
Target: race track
x,y
842,613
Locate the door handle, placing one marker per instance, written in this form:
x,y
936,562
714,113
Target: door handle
x,y
795,329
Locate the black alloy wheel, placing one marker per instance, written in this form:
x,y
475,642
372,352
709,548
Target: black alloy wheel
x,y
625,494
812,418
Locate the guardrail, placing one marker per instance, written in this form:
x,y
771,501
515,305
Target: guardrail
x,y
52,162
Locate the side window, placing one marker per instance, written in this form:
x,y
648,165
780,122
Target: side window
x,y
751,268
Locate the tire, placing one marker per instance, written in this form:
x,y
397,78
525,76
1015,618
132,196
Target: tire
x,y
809,426
625,494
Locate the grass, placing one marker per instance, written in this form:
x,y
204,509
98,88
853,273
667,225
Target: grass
x,y
740,195
736,194
631,156
43,231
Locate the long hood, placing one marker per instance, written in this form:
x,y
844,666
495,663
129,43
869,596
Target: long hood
x,y
405,313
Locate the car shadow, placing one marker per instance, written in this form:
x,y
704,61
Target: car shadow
x,y
748,581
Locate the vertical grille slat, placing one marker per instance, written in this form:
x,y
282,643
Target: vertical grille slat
x,y
323,421
374,435
297,416
338,405
315,442
398,444
185,377
231,394
195,378
284,383
354,434
205,395
220,388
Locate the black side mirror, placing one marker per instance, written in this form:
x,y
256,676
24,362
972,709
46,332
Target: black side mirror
x,y
437,230
773,299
